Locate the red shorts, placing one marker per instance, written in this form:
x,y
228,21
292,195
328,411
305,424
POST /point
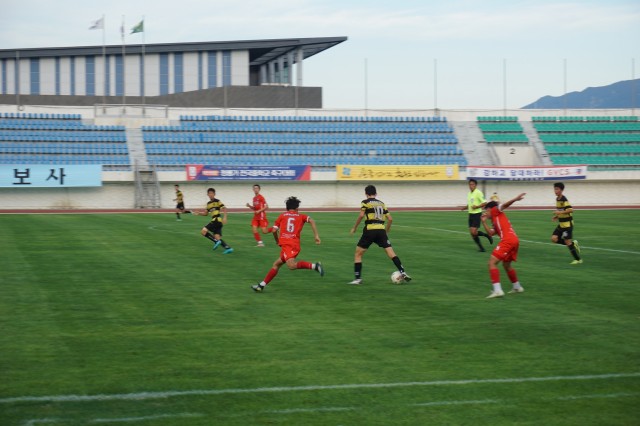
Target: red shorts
x,y
289,252
507,251
259,223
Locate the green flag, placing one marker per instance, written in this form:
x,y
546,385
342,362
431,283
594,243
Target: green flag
x,y
138,28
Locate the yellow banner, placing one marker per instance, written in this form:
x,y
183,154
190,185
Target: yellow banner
x,y
351,172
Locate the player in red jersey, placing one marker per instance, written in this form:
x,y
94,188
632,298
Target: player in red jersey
x,y
259,207
290,226
507,250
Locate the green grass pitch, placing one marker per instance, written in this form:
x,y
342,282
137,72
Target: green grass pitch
x,y
133,319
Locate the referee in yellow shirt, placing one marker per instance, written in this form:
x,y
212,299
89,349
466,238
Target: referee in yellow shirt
x,y
475,203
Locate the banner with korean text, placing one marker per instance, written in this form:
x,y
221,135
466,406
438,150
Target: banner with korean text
x,y
351,172
207,172
50,175
528,173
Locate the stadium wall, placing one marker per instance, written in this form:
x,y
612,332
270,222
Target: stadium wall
x,y
601,189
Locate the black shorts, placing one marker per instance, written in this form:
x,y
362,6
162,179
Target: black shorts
x,y
180,206
214,227
378,236
563,233
474,220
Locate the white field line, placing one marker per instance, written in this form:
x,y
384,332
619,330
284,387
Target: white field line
x,y
33,422
526,241
138,396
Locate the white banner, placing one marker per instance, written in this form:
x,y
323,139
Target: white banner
x,y
528,173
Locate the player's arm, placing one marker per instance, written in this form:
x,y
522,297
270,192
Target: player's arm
x,y
250,206
276,234
358,220
489,230
513,200
389,220
315,230
223,210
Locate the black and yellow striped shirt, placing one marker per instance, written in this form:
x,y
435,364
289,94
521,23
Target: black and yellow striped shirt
x,y
375,213
179,196
565,220
213,207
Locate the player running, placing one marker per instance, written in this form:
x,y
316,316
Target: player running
x,y
259,206
563,214
289,227
213,229
507,250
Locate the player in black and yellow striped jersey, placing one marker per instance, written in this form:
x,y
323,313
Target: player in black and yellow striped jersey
x,y
179,202
563,214
376,226
213,229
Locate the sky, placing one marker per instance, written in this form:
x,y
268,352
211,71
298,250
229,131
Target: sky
x,y
402,54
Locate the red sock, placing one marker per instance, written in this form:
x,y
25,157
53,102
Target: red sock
x,y
495,275
256,236
304,265
512,275
269,230
270,275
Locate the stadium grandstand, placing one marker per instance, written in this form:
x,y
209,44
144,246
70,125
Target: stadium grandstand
x,y
145,116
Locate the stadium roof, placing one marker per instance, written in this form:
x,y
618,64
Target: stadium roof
x,y
260,51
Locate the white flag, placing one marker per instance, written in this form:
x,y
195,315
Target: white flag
x,y
98,24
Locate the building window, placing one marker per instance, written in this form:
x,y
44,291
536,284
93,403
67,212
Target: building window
x,y
107,75
178,73
226,68
141,75
90,71
57,77
4,76
164,73
35,76
119,75
212,69
200,70
72,76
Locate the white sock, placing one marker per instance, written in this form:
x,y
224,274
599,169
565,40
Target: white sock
x,y
497,287
517,285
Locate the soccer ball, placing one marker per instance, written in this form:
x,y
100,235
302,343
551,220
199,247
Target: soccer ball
x,y
397,277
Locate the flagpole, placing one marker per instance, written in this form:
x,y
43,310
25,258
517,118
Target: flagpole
x,y
104,62
124,68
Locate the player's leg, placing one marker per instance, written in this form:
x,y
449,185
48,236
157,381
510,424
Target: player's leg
x,y
270,275
513,277
357,264
494,275
573,246
206,232
396,261
474,224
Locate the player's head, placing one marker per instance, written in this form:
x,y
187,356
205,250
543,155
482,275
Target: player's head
x,y
559,185
211,192
370,190
490,204
176,187
292,203
473,184
256,188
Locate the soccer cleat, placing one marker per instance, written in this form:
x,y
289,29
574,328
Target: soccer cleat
x,y
320,269
576,262
577,246
517,290
178,220
257,288
405,277
260,244
481,250
228,251
490,238
357,281
495,294
216,244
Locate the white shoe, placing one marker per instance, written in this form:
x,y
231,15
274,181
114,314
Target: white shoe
x,y
356,282
494,294
260,244
517,290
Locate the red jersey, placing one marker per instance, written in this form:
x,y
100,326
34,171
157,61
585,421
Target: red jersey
x,y
502,225
290,225
258,203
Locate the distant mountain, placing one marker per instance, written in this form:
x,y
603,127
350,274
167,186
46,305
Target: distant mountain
x,y
623,94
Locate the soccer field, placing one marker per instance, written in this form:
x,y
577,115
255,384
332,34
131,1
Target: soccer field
x,y
133,319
